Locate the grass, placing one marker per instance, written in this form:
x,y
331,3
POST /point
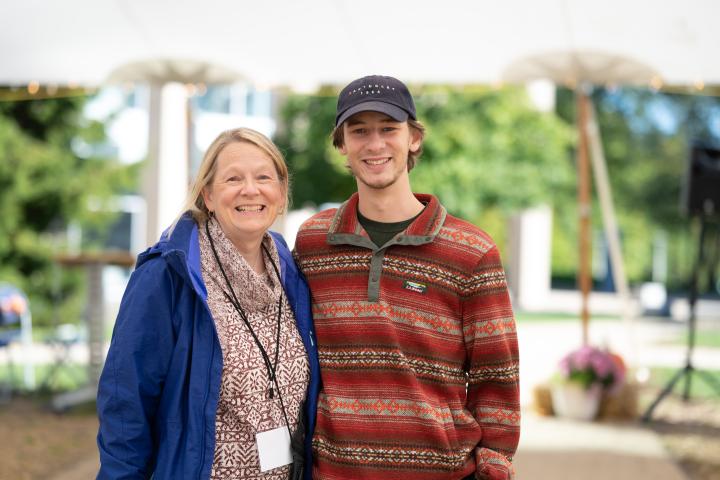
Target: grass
x,y
699,388
65,377
521,317
703,338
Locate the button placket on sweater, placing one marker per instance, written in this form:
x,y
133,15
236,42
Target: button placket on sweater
x,y
378,254
375,274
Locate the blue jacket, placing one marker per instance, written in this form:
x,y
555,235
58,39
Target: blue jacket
x,y
159,388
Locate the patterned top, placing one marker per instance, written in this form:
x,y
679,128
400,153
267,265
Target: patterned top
x,y
418,349
244,407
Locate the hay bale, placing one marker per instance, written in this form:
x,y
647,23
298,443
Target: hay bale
x,y
542,400
621,405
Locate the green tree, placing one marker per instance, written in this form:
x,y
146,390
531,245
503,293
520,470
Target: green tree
x,y
485,149
490,149
318,171
44,186
646,137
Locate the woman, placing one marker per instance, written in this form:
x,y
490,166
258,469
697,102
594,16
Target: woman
x,y
213,352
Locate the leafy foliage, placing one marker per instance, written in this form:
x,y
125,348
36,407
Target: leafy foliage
x,y
490,149
45,186
318,171
646,138
485,149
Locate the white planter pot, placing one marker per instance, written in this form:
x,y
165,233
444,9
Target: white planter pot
x,y
571,400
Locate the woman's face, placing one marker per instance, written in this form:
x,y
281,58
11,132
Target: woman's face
x,y
246,193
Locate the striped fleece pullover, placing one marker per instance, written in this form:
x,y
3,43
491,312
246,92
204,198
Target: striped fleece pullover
x,y
418,349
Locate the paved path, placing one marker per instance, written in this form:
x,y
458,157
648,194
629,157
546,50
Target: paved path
x,y
553,449
556,449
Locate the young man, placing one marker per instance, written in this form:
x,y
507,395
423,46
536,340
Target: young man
x,y
417,342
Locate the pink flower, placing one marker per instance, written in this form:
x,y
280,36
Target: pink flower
x,y
591,366
565,366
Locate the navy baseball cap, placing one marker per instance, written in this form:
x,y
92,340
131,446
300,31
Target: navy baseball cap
x,y
375,93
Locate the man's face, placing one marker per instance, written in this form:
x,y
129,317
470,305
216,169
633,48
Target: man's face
x,y
376,147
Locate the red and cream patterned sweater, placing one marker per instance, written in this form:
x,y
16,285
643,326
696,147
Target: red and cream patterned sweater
x,y
418,349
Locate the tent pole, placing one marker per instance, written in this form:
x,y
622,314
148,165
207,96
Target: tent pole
x,y
612,232
166,171
584,211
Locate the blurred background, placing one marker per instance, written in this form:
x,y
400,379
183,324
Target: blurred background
x,y
583,137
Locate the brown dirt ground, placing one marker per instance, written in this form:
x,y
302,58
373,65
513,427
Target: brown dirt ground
x,y
36,443
691,432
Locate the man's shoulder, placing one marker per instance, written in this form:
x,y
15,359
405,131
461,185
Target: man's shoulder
x,y
321,221
458,231
313,232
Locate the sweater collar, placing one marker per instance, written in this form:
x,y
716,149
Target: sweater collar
x,y
346,229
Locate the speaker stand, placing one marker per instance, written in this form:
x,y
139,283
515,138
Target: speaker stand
x,y
687,371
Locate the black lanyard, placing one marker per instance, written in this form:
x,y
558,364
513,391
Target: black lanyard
x,y
271,368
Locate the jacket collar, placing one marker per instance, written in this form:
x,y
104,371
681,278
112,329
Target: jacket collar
x,y
181,247
346,229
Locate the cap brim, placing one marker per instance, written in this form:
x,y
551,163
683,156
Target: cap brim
x,y
396,113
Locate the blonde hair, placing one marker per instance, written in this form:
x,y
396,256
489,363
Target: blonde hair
x,y
195,202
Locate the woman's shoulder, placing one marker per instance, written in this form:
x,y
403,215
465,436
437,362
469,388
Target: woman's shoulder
x,y
281,245
284,253
151,274
279,239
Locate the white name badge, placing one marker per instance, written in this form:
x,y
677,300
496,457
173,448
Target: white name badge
x,y
273,448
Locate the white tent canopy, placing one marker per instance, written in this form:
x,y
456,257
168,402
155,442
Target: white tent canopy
x,y
305,43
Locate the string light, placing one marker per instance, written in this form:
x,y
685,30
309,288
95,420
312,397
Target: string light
x,y
33,87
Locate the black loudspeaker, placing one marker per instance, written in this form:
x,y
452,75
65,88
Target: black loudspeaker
x,y
701,191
